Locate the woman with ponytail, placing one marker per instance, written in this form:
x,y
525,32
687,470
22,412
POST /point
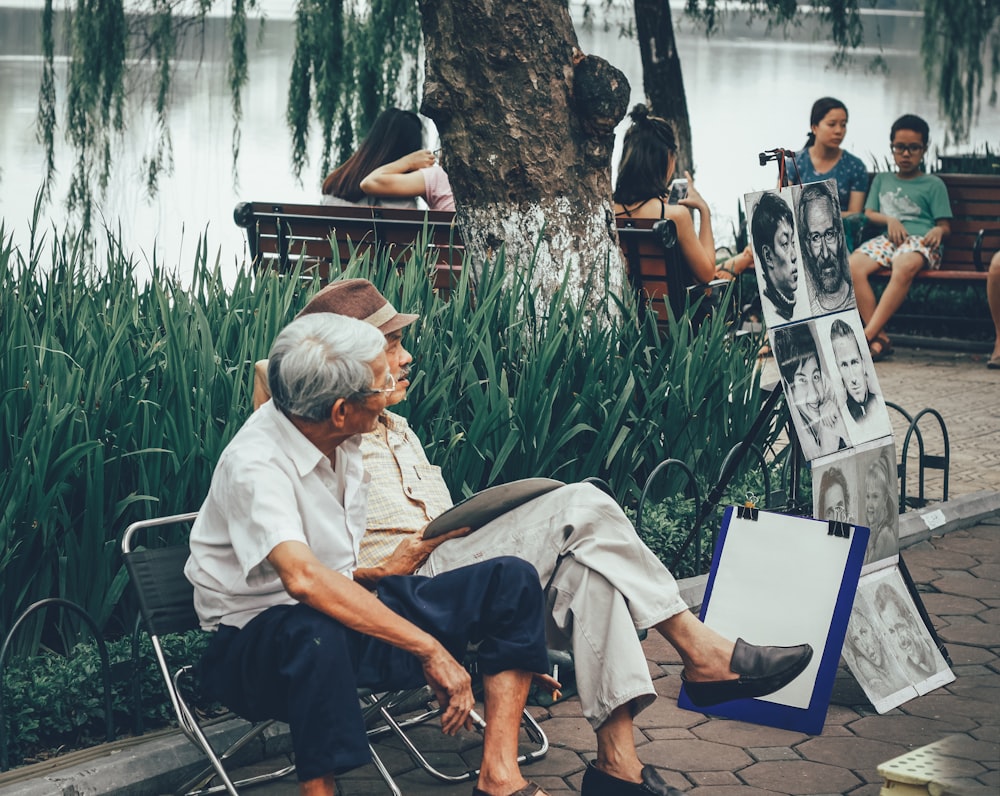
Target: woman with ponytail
x,y
648,161
822,158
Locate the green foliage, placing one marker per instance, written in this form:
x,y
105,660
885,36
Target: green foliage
x,y
53,701
960,37
502,389
116,398
350,63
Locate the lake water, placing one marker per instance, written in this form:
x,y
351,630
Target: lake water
x,y
747,91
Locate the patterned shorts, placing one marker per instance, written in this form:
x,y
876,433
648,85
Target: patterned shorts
x,y
882,250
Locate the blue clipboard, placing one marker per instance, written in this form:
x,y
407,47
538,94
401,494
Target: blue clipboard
x,y
784,580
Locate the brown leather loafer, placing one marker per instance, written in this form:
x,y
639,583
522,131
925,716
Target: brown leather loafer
x,y
761,670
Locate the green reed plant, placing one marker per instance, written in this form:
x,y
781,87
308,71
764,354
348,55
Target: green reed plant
x,y
117,394
120,385
504,389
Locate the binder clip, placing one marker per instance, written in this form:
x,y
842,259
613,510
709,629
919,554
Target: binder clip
x,y
748,511
839,528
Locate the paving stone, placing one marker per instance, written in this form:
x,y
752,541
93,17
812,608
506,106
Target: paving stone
x,y
761,753
909,731
668,687
965,746
933,556
989,733
975,633
573,732
838,716
991,616
948,604
966,585
868,789
957,543
921,574
982,688
557,763
852,753
969,654
743,734
731,790
962,672
990,571
799,777
690,756
714,778
659,650
664,712
940,704
668,734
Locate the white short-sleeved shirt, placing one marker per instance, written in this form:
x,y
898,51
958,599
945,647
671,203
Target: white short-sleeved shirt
x,y
272,485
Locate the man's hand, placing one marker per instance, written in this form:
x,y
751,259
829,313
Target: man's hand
x,y
896,232
413,551
452,685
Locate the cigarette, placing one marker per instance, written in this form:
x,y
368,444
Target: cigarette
x,y
478,720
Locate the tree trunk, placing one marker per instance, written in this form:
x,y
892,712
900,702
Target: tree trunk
x,y
527,128
662,80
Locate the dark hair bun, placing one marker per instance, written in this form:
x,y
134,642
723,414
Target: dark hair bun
x,y
639,112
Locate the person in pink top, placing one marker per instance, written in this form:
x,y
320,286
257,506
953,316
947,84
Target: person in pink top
x,y
415,174
389,169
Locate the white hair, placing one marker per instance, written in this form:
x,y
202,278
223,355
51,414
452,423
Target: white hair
x,y
320,358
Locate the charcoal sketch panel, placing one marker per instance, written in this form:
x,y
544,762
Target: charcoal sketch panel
x,y
879,500
823,248
776,256
842,340
874,663
809,390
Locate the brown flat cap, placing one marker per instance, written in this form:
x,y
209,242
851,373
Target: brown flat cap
x,y
358,298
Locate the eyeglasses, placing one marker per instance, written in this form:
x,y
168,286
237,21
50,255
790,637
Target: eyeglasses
x,y
828,237
910,149
389,389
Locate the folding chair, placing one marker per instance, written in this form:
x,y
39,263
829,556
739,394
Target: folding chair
x,y
166,604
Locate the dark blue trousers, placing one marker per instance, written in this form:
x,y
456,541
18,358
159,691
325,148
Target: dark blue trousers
x,y
297,665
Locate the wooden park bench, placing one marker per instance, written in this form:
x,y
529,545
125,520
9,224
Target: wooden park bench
x,y
975,206
278,234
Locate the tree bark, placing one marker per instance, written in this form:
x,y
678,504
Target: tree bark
x,y
527,128
662,80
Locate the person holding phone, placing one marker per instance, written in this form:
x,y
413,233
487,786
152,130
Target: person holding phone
x,y
643,190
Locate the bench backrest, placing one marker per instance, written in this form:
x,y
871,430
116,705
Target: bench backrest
x,y
975,205
278,234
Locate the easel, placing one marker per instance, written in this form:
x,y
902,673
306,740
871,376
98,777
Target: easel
x,y
793,503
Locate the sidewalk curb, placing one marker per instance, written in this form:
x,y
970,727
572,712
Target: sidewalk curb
x,y
143,766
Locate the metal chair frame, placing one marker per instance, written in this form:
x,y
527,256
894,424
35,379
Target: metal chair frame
x,y
164,612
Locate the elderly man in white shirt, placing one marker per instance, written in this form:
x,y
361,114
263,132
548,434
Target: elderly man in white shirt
x,y
274,567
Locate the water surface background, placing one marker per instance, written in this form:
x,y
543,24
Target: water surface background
x,y
748,89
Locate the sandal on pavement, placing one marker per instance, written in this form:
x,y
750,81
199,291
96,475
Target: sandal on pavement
x,y
993,363
599,783
530,789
